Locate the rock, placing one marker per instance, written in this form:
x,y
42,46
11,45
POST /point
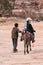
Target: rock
x,y
25,8
19,13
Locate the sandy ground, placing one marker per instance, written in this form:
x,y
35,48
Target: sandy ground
x,y
7,57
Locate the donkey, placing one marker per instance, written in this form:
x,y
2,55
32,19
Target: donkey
x,y
27,42
26,36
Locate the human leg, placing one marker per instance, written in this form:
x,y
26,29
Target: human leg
x,y
15,44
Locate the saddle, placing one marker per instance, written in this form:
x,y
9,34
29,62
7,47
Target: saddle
x,y
27,34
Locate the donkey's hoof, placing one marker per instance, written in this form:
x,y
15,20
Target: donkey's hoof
x,y
24,52
27,51
30,49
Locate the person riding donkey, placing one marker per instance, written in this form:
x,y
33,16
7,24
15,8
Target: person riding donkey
x,y
30,29
28,35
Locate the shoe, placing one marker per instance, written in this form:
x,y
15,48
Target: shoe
x,y
27,51
15,50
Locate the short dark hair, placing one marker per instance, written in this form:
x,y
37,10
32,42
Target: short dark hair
x,y
16,24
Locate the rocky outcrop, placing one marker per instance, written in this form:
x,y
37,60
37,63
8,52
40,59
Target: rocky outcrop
x,y
19,13
31,8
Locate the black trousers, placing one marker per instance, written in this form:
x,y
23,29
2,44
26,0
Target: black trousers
x,y
14,40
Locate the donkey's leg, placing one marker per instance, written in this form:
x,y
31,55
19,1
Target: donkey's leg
x,y
27,48
30,46
24,48
25,44
28,42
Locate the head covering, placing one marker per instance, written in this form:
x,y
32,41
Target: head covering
x,y
28,19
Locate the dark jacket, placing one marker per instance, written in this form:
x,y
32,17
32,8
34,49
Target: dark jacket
x,y
15,32
30,28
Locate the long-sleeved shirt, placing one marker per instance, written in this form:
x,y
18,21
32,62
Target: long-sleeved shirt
x,y
29,27
15,32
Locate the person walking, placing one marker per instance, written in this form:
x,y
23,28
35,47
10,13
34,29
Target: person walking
x,y
15,32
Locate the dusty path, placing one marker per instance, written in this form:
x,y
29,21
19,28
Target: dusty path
x,y
7,57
